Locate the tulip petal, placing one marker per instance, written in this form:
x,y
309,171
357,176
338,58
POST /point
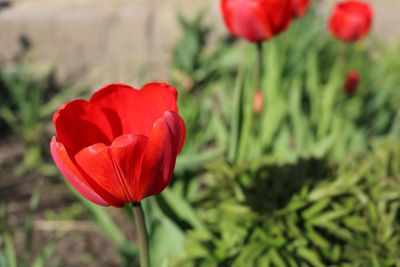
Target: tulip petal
x,y
280,13
246,20
165,142
72,174
136,110
299,7
115,168
79,124
256,20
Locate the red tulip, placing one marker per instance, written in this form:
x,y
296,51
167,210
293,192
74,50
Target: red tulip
x,y
350,20
351,82
121,145
256,20
299,7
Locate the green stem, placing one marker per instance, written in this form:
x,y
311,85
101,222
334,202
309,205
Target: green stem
x,y
142,234
260,65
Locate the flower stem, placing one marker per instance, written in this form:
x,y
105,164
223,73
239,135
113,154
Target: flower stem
x,y
142,234
260,65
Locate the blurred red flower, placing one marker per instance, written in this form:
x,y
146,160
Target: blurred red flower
x,y
299,7
121,145
351,82
256,20
350,20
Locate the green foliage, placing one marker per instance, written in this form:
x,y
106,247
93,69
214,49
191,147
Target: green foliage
x,y
106,225
194,64
349,218
306,112
311,181
27,103
8,252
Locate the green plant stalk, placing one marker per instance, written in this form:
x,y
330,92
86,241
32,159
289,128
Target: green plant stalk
x,y
236,117
34,202
260,65
142,234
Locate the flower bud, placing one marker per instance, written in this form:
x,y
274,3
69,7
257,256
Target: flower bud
x,y
351,82
258,102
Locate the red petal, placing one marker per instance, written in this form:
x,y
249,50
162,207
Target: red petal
x,y
299,7
115,168
165,142
72,174
246,20
256,20
79,124
280,14
137,110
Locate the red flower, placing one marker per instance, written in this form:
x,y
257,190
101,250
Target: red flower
x,y
351,82
299,7
121,145
256,20
351,20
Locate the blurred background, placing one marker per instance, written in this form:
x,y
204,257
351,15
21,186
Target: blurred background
x,y
328,162
118,40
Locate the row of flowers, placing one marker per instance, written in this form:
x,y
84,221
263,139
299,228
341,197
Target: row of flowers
x,y
261,20
258,21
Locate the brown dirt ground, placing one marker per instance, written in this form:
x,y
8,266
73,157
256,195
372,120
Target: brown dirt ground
x,y
78,242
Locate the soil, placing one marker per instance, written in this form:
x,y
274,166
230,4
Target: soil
x,y
59,218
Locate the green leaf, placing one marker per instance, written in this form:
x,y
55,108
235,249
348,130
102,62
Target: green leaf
x,y
276,258
249,255
315,209
236,117
166,241
108,228
316,238
44,255
10,253
188,162
310,256
328,216
180,208
336,230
